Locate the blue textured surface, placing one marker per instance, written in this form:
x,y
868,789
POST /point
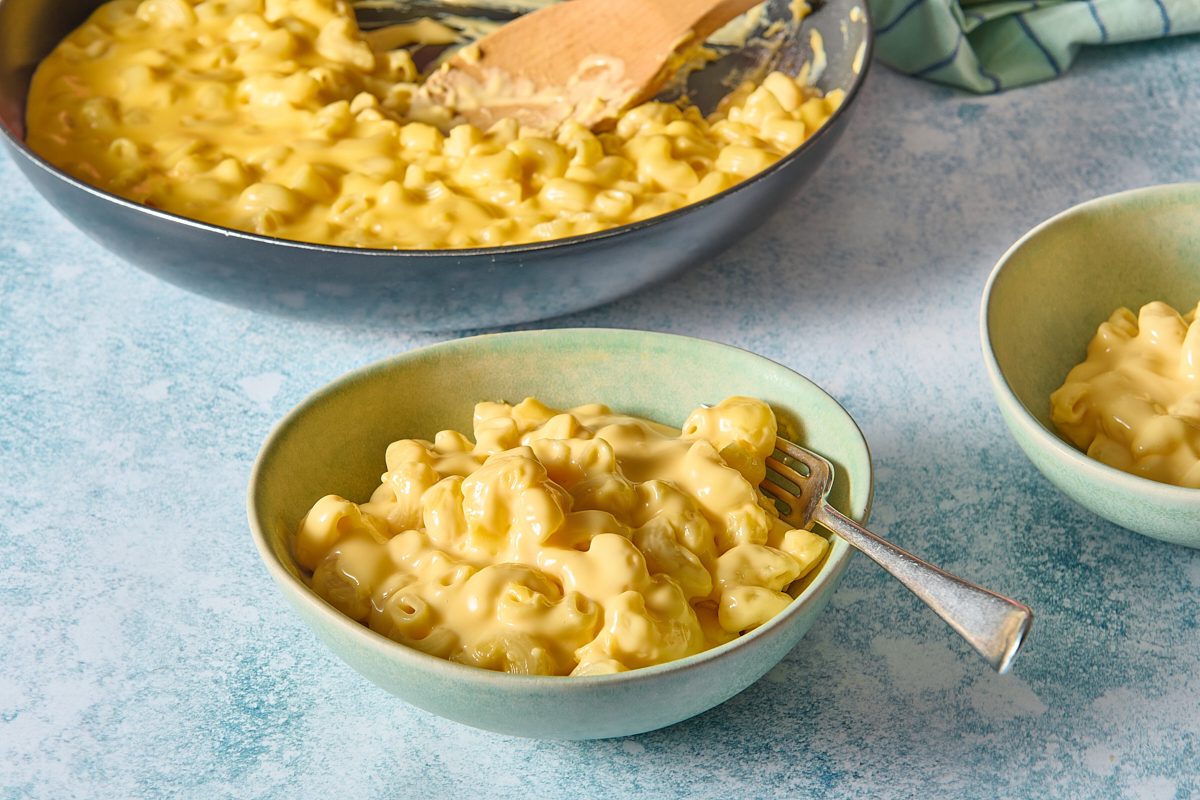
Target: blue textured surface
x,y
146,653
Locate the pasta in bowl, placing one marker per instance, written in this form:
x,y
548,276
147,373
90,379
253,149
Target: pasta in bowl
x,y
334,443
1105,422
579,542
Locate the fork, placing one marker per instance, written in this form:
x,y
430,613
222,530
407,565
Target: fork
x,y
992,624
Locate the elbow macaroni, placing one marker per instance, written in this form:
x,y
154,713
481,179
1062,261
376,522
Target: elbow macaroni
x,y
280,117
574,542
1134,403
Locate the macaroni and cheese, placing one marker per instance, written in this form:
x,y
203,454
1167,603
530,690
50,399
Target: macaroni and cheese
x,y
575,542
1134,403
281,117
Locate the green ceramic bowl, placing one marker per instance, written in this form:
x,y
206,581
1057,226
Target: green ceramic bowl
x,y
334,442
1042,306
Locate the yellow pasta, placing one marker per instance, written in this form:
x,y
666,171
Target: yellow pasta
x,y
1134,402
574,542
280,117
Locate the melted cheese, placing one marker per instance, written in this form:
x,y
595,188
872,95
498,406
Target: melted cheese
x,y
565,542
280,117
1134,403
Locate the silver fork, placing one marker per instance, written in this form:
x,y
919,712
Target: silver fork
x,y
994,625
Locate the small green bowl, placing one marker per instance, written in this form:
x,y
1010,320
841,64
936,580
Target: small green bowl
x,y
1042,306
334,442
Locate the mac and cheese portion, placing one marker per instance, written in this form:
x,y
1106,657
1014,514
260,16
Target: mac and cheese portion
x,y
281,117
1134,403
574,542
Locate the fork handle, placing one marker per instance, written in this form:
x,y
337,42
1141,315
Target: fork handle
x,y
994,625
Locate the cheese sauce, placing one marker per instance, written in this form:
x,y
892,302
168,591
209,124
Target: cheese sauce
x,y
1134,403
571,542
280,117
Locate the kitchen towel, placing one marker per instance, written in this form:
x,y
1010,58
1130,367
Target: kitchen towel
x,y
992,45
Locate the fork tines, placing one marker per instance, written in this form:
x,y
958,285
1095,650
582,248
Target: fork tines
x,y
806,492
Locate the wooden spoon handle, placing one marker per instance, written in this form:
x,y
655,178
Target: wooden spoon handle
x,y
583,59
710,15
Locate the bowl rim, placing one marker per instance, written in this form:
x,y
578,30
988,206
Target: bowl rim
x,y
821,585
1019,413
20,146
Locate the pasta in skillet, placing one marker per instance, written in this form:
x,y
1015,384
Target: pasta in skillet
x,y
280,117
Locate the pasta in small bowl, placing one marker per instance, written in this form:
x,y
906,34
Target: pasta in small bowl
x,y
1092,347
569,569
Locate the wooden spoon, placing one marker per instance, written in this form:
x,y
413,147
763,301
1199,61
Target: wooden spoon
x,y
586,60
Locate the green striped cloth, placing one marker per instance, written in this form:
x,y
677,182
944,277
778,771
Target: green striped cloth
x,y
992,45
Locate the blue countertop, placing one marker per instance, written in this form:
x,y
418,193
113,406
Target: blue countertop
x,y
145,653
